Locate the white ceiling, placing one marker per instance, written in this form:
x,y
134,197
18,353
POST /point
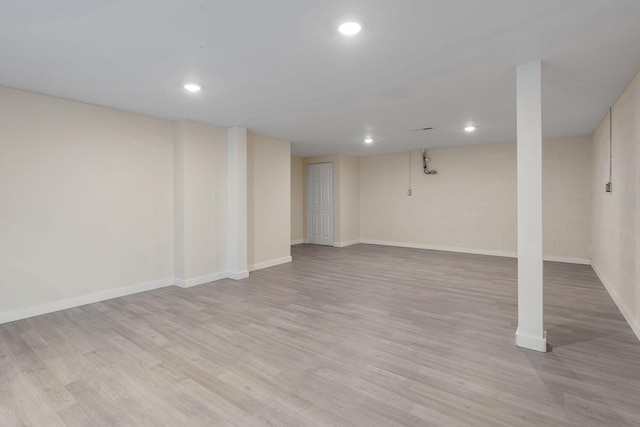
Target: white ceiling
x,y
280,68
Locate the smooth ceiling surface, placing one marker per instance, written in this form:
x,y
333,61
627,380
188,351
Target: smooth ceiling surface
x,y
280,67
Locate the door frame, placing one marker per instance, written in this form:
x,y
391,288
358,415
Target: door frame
x,y
308,203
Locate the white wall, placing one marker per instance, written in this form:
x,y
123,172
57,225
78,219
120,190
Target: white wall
x,y
297,201
616,216
268,201
470,205
200,159
87,201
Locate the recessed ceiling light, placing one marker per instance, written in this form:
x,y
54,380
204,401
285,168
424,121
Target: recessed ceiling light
x,y
350,28
192,87
368,140
470,128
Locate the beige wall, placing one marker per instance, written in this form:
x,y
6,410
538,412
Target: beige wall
x,y
566,197
87,200
98,203
470,205
297,201
349,200
616,216
268,201
200,163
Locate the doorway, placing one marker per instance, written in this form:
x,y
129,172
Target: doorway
x,y
320,204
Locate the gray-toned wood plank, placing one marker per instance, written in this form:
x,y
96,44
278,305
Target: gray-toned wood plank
x,y
359,336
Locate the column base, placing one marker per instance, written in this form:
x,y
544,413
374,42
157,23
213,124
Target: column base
x,y
532,343
237,275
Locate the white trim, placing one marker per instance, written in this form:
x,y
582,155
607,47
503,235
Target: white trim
x,y
37,310
634,323
297,242
345,244
439,248
566,260
181,283
532,343
552,258
237,275
271,263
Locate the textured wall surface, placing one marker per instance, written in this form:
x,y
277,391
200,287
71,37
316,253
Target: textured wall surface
x,y
471,203
616,215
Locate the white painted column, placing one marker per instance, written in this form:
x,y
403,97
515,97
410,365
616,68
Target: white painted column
x,y
178,202
237,203
530,333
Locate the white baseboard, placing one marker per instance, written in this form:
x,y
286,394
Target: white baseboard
x,y
297,242
567,260
23,313
237,275
532,343
472,251
345,244
181,283
633,322
439,248
271,263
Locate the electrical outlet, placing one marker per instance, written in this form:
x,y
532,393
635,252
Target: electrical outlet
x,y
409,193
607,187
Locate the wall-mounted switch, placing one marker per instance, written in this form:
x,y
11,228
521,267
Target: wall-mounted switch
x,y
409,193
607,187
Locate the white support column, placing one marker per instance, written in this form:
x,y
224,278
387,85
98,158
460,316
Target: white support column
x,y
178,202
530,333
237,203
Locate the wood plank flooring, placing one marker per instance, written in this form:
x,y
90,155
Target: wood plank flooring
x,y
359,336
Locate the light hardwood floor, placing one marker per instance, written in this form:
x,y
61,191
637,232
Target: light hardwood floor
x,y
365,335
